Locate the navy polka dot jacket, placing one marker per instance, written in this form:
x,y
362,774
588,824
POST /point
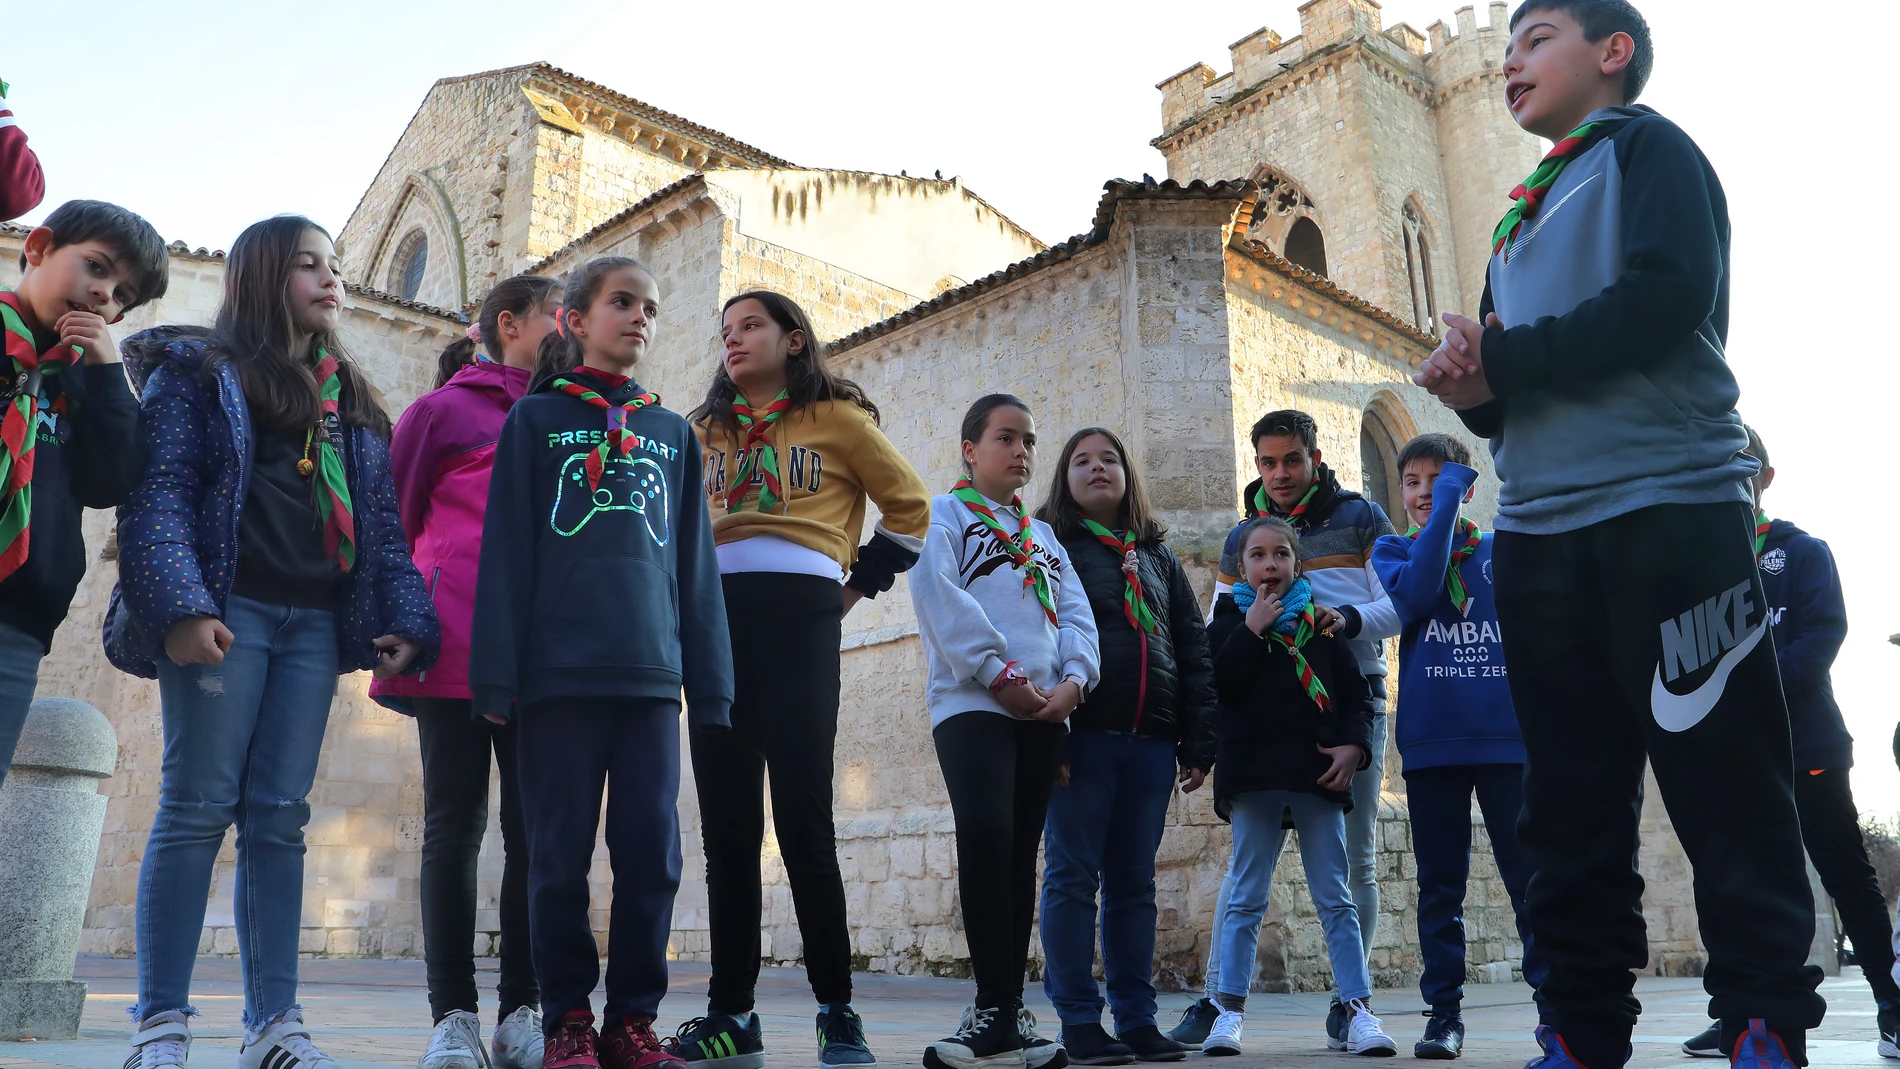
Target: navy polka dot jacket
x,y
178,532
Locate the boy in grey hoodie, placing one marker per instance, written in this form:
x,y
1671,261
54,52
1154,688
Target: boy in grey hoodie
x,y
1632,613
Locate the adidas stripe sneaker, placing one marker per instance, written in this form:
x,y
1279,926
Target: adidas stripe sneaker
x,y
284,1045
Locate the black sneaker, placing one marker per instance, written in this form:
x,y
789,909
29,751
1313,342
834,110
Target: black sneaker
x,y
986,1038
1038,1053
1444,1038
1150,1045
1337,1018
719,1041
841,1039
1890,1033
1090,1044
1706,1045
1196,1021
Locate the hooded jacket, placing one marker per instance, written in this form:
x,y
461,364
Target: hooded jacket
x,y
1269,728
86,455
607,591
441,456
1337,532
1810,622
178,532
1612,390
1175,698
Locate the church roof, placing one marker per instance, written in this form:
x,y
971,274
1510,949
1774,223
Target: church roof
x,y
614,220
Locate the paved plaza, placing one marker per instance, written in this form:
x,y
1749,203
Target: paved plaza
x,y
371,1014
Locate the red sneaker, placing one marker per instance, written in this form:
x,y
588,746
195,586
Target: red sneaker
x,y
629,1043
574,1045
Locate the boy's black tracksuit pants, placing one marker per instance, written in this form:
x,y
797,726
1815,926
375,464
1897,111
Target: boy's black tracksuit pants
x,y
1646,636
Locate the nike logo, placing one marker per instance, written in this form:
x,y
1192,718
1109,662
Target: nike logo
x,y
1680,712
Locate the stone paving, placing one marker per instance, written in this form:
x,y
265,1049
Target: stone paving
x,y
371,1014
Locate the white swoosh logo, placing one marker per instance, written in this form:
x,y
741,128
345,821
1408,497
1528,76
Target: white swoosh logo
x,y
1680,712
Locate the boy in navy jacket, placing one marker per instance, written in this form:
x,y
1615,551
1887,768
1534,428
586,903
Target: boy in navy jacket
x,y
1808,617
1457,730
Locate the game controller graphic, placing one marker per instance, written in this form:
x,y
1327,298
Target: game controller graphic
x,y
626,484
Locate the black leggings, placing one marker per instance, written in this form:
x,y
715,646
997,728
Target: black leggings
x,y
1830,828
1000,772
455,763
785,632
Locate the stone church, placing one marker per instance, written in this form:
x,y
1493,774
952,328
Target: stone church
x,y
1324,199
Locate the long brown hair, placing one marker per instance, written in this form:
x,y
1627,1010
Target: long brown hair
x,y
807,378
560,351
1064,516
519,296
255,329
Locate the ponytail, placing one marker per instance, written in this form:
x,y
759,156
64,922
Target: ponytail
x,y
459,354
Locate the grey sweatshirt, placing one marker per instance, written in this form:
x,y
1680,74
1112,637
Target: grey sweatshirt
x,y
1613,393
976,616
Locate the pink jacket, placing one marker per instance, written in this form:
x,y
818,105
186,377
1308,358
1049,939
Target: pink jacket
x,y
441,456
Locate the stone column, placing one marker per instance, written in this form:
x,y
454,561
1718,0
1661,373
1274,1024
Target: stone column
x,y
51,816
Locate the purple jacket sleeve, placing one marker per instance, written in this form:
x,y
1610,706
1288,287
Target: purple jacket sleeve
x,y
412,463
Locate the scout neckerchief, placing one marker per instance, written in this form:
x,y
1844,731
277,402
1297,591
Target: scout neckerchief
x,y
1294,630
1020,547
20,428
1263,505
1761,531
756,453
1529,194
333,488
1454,577
1134,607
619,438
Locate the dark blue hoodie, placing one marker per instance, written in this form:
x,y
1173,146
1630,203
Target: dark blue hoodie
x,y
1454,697
1809,623
598,591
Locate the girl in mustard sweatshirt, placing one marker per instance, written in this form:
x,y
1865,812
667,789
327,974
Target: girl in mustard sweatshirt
x,y
792,453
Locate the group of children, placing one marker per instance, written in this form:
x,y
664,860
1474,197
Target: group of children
x,y
542,563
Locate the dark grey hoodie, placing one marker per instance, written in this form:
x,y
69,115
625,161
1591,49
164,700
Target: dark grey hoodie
x,y
1613,393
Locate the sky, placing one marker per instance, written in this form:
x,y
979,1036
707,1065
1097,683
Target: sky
x,y
204,117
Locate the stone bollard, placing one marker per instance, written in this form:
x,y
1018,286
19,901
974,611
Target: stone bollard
x,y
51,816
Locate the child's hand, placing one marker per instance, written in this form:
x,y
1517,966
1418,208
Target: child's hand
x,y
1345,762
1062,701
851,599
87,331
1022,701
1262,613
393,655
1191,778
199,640
1328,619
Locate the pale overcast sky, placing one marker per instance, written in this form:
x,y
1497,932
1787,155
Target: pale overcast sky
x,y
206,116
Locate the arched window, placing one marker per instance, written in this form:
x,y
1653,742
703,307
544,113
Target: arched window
x,y
1377,478
406,267
1382,430
1306,246
1418,268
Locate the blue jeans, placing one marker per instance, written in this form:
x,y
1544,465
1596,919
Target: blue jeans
x,y
1441,839
1102,831
1258,838
20,655
241,746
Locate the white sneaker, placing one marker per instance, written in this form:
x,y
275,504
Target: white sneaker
x,y
163,1042
1363,1034
284,1045
1038,1051
519,1042
456,1043
1224,1037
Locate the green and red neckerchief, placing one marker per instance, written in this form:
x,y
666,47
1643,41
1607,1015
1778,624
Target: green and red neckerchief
x,y
1529,194
756,452
1263,505
333,487
1467,544
1134,608
619,438
1020,547
1303,632
1761,531
18,429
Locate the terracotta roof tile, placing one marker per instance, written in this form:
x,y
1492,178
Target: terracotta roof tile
x,y
727,145
415,306
1261,254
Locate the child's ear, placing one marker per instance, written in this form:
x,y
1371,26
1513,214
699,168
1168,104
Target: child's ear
x,y
1471,493
38,244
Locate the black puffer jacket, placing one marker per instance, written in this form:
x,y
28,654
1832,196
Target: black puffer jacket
x,y
1178,700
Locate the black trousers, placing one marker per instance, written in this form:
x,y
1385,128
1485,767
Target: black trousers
x,y
455,760
785,632
571,752
1830,826
1646,636
999,772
